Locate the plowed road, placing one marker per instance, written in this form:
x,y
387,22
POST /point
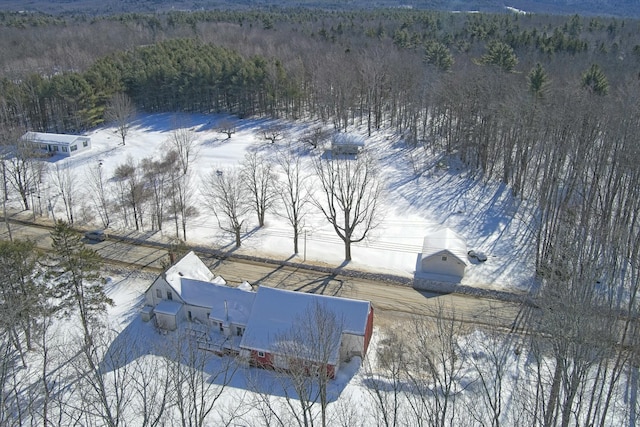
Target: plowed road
x,y
392,302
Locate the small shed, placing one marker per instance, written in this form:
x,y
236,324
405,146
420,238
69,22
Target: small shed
x,y
348,144
444,252
167,314
55,143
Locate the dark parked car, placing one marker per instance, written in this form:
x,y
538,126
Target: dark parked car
x,y
480,256
96,235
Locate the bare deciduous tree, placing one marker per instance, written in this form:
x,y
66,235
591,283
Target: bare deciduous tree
x,y
97,183
66,183
306,355
132,191
24,169
436,368
182,202
226,195
228,127
157,176
259,178
292,190
273,133
105,379
183,141
385,379
197,381
121,111
151,380
315,137
352,195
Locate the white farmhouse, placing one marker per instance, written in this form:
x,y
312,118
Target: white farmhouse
x,y
252,324
54,143
186,291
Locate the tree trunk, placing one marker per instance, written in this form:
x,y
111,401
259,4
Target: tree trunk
x,y
238,241
347,250
549,418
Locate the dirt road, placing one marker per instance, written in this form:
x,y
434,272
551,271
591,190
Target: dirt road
x,y
392,302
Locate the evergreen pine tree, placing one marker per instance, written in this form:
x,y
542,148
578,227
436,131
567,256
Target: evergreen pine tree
x,y
75,269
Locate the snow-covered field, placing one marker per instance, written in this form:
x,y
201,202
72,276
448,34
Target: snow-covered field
x,y
423,192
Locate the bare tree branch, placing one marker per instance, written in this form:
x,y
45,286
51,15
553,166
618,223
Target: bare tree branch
x,y
351,191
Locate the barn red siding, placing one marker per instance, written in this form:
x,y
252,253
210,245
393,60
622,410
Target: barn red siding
x,y
368,331
263,362
331,371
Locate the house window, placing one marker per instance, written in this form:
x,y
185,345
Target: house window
x,y
221,327
74,147
159,293
261,354
444,258
85,143
64,149
169,296
239,331
190,317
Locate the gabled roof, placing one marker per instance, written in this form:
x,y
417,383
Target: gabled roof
x,y
52,138
276,311
347,139
445,239
190,267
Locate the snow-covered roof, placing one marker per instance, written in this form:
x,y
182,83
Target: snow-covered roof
x,y
276,311
245,286
445,239
347,139
189,267
168,307
52,138
226,303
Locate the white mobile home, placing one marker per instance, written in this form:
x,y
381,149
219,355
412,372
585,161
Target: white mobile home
x,y
54,143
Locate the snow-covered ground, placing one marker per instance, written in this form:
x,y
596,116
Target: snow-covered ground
x,y
423,192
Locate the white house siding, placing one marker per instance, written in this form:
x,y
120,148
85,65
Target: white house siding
x,y
151,297
351,345
198,314
280,362
169,315
61,144
166,321
444,263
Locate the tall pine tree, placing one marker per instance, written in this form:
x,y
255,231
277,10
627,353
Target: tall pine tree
x,y
75,270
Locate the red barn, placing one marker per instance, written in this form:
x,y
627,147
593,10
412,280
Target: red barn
x,y
288,327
